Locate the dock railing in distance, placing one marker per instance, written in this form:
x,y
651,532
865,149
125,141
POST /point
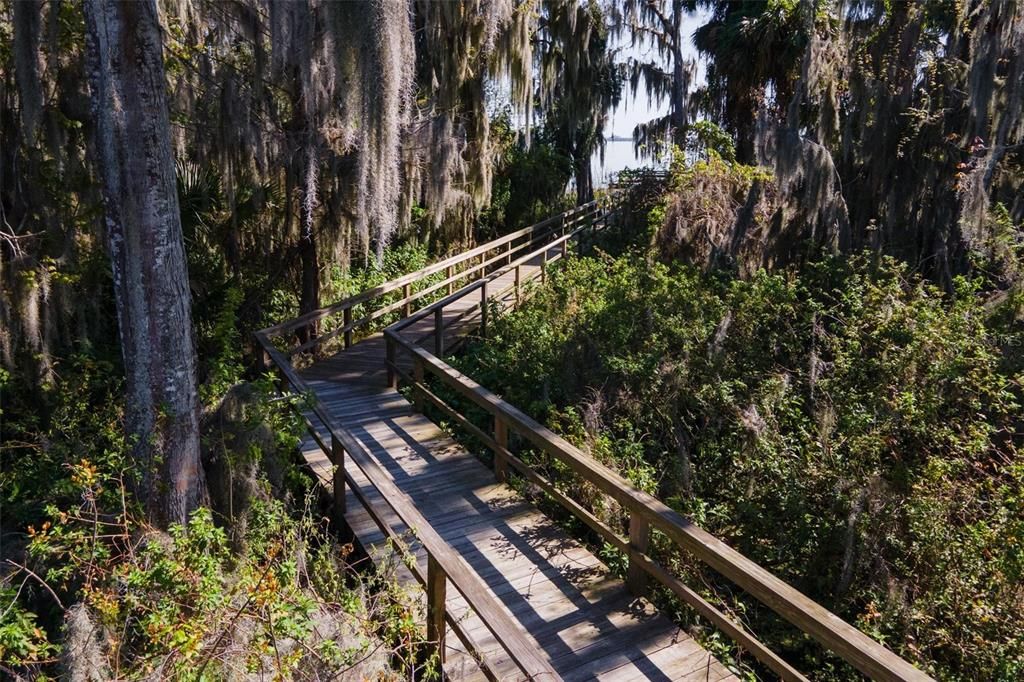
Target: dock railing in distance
x,y
646,513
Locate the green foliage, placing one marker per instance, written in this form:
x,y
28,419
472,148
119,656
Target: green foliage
x,y
22,641
85,421
704,138
222,360
398,260
529,184
162,602
182,605
849,426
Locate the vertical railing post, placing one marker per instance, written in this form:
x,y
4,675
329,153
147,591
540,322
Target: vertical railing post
x,y
389,354
417,375
483,309
347,322
508,260
639,539
518,279
448,273
500,459
436,587
338,460
439,331
281,381
544,267
406,293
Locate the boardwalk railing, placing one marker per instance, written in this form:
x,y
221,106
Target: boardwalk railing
x,y
416,287
443,563
646,513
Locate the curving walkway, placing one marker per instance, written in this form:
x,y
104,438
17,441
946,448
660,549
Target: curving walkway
x,y
572,608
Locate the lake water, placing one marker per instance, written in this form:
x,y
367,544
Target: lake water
x,y
618,155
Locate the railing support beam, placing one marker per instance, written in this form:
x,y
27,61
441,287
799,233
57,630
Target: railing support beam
x,y
483,309
501,438
639,540
338,461
439,332
436,588
389,354
348,332
417,374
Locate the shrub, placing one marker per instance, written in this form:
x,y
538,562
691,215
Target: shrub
x,y
848,425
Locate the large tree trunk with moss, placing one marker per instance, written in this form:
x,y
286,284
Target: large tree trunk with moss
x,y
147,253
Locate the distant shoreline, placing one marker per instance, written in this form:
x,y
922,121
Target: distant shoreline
x,y
616,138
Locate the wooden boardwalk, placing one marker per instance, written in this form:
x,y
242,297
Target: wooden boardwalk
x,y
568,603
543,606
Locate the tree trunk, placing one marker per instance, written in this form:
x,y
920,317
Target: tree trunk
x,y
680,81
584,179
147,253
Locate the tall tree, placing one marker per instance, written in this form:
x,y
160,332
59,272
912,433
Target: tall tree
x,y
891,126
147,253
311,132
753,52
656,26
578,82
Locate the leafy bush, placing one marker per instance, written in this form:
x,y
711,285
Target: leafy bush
x,y
22,641
183,606
848,425
529,182
187,604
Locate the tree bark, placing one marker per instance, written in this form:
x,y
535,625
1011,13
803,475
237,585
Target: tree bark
x,y
309,298
677,106
584,179
147,253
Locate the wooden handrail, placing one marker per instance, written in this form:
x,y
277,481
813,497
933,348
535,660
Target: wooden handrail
x,y
848,642
443,563
428,309
646,512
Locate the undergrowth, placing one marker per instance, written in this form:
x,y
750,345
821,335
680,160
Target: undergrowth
x,y
90,591
847,425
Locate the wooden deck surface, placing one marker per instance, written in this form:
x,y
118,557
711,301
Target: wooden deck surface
x,y
577,613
